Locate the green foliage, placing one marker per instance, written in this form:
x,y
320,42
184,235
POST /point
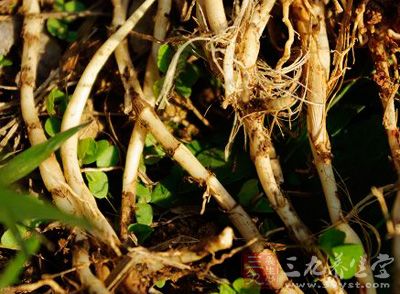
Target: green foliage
x,y
87,151
5,61
144,213
59,28
98,183
52,126
10,274
74,6
248,191
240,286
164,57
143,193
107,155
153,152
141,231
343,257
187,74
16,208
21,165
56,102
101,152
8,239
330,239
160,283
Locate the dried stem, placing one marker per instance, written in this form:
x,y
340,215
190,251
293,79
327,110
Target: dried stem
x,y
179,259
388,89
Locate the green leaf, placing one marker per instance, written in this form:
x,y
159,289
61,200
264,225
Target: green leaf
x,y
182,89
5,61
331,238
153,152
165,54
107,157
52,126
160,283
262,206
25,162
98,183
57,28
71,36
161,195
74,6
56,97
142,232
195,147
248,191
246,286
144,213
8,239
14,268
226,289
87,151
345,259
143,193
21,207
59,5
157,86
102,145
212,158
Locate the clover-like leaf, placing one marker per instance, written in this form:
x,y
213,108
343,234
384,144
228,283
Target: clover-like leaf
x,y
144,213
52,126
98,183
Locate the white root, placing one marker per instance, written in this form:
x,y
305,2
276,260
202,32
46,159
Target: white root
x,y
50,169
129,179
136,143
73,114
146,116
215,14
161,25
138,137
261,149
124,62
81,261
315,41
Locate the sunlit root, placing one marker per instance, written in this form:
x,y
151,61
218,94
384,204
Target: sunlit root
x,y
73,114
50,170
387,78
242,74
317,71
124,62
146,116
81,262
